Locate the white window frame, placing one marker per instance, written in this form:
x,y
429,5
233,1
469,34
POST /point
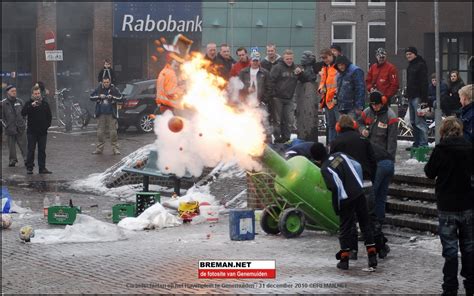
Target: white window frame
x,y
353,40
379,4
334,3
369,24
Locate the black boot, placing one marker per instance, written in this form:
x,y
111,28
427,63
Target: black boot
x,y
343,257
372,255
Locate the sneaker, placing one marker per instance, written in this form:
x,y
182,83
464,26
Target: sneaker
x,y
384,251
117,152
12,163
45,171
343,264
29,171
97,152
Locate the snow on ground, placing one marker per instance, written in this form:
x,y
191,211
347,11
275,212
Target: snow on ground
x,y
85,229
16,208
155,216
432,245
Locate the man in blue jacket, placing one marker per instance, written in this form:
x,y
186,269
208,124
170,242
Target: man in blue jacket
x,y
350,94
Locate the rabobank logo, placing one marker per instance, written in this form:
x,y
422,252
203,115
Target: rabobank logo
x,y
157,19
170,24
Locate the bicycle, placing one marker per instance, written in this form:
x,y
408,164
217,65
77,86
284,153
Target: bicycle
x,y
70,113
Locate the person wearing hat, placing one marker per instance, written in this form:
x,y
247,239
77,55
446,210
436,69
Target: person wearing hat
x,y
378,123
417,94
382,76
256,81
14,124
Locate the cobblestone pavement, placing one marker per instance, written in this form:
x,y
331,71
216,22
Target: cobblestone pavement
x,y
165,261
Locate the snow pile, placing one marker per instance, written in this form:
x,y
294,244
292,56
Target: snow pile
x,y
96,182
414,161
155,216
84,230
16,208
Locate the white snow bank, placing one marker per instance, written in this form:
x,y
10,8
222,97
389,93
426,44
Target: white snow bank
x,y
155,216
16,208
84,230
414,161
200,194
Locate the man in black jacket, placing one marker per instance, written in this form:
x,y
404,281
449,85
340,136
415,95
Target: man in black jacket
x,y
284,80
417,93
107,72
450,164
343,178
39,119
106,97
224,61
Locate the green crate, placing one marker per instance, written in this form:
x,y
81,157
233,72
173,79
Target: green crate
x,y
421,153
146,200
121,211
62,215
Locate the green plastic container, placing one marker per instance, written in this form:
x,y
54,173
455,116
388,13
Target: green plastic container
x,y
421,153
121,211
62,215
303,186
146,200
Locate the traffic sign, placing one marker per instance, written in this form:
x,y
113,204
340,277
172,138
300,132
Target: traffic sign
x,y
54,55
50,41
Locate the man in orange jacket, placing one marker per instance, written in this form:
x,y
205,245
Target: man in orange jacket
x,y
327,89
382,76
168,89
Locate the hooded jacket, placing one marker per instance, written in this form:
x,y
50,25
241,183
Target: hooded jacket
x,y
417,80
451,164
266,64
467,118
11,116
283,80
350,86
351,143
328,85
382,127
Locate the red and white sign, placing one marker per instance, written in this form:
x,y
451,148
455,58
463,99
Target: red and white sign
x,y
236,269
50,40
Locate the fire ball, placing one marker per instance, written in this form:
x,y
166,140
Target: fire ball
x,y
175,124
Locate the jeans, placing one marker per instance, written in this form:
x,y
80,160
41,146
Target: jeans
x,y
383,176
33,139
420,128
457,227
331,119
283,118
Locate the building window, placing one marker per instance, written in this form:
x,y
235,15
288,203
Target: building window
x,y
343,2
376,40
376,3
456,54
343,34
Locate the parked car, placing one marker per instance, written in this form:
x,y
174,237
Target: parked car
x,y
139,103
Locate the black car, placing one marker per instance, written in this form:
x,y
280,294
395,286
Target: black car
x,y
139,103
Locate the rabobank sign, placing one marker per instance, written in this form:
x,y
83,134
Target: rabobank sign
x,y
155,19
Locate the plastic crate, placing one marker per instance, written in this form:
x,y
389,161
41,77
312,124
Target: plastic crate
x,y
62,215
421,153
146,200
121,211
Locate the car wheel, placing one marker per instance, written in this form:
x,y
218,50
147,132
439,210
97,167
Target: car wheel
x,y
145,123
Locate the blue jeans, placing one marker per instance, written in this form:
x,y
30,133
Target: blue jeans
x,y
420,128
383,176
331,118
457,227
